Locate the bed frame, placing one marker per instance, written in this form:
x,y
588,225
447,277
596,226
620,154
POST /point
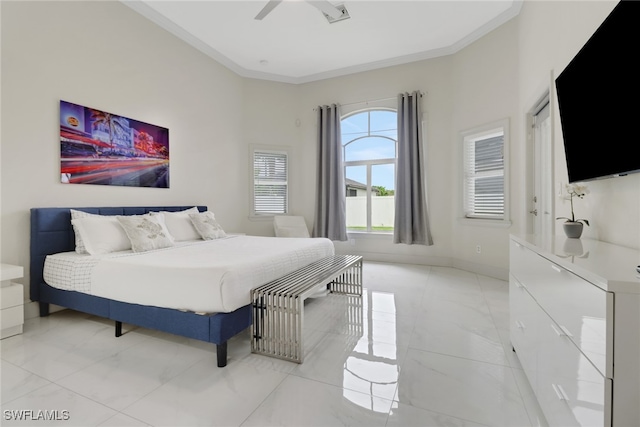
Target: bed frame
x,y
51,232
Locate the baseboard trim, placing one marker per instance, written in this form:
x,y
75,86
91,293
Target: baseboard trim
x,y
32,309
400,258
484,270
472,267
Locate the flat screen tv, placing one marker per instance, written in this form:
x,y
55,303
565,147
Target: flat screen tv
x,y
599,100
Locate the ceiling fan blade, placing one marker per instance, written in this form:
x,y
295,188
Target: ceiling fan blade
x,y
326,7
267,9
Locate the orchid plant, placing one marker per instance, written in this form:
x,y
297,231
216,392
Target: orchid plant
x,y
579,191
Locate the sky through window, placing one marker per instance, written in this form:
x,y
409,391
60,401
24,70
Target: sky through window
x,y
371,135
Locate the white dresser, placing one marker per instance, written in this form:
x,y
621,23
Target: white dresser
x,y
11,300
575,327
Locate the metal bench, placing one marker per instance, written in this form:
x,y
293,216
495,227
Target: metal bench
x,y
278,306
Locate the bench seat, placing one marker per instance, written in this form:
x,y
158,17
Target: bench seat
x,y
278,306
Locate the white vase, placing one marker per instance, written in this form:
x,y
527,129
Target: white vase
x,y
573,230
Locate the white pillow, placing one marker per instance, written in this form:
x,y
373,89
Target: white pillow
x,y
207,225
146,232
101,234
179,224
79,243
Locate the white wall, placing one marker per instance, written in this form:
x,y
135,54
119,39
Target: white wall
x,y
269,118
104,55
485,91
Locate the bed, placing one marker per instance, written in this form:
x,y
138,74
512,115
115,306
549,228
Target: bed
x,y
195,310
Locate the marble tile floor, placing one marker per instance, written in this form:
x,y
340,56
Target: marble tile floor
x,y
426,346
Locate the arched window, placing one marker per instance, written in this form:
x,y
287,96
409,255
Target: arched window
x,y
369,141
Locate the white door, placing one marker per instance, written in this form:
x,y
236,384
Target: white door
x,y
542,199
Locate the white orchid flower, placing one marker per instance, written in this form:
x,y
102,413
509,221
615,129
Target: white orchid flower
x,y
579,191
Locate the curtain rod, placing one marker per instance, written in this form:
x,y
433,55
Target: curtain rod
x,y
371,101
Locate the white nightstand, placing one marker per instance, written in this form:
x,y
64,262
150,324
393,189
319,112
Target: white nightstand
x,y
11,300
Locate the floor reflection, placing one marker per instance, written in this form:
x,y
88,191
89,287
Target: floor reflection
x,y
373,363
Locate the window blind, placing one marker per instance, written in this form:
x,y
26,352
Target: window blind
x,y
484,178
270,186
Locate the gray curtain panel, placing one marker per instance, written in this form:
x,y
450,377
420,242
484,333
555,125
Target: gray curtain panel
x,y
330,218
411,219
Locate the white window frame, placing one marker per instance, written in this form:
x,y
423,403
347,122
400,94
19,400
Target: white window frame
x,y
467,140
369,164
253,181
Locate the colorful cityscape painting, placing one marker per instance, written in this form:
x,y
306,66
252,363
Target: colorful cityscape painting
x,y
102,148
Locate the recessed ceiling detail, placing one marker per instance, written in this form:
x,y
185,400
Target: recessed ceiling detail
x,y
301,47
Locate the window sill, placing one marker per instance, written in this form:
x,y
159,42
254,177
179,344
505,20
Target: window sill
x,y
491,223
369,235
262,217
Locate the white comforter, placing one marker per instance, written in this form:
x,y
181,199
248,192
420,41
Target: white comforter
x,y
205,276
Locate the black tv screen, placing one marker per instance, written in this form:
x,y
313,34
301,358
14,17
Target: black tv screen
x,y
599,99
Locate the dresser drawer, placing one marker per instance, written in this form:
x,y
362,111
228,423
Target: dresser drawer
x,y
572,403
519,259
589,305
10,317
570,390
523,328
12,296
578,307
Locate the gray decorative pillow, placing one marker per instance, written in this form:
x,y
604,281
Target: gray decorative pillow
x,y
146,232
206,224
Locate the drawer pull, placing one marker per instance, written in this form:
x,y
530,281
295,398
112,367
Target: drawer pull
x,y
517,244
560,392
566,331
562,332
556,268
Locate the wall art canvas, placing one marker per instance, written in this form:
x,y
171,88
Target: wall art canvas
x,y
103,148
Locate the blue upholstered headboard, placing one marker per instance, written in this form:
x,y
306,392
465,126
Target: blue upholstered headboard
x,y
51,232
